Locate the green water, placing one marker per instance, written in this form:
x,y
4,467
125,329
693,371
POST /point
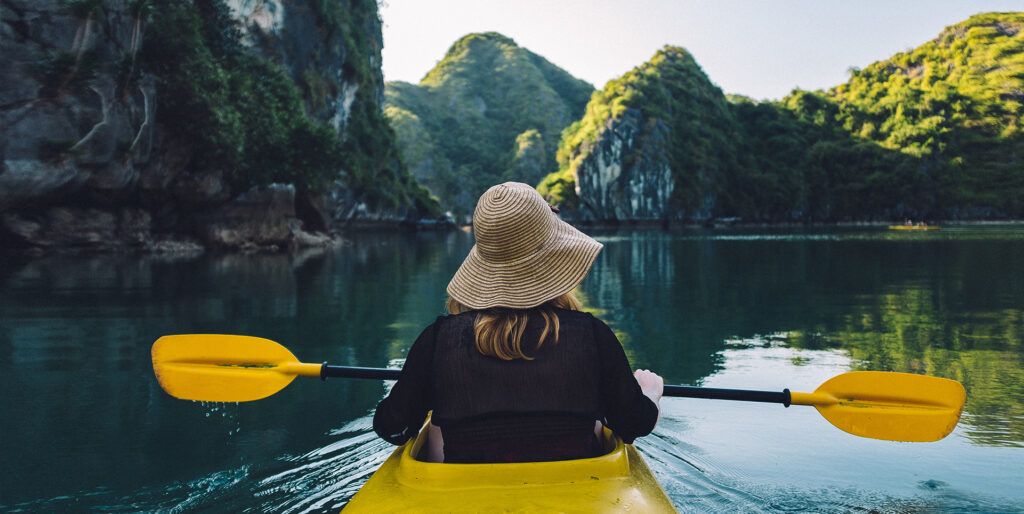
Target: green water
x,y
86,427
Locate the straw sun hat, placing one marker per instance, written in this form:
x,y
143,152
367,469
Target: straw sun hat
x,y
524,255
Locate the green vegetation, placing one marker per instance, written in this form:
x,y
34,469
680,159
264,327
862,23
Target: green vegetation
x,y
907,331
241,114
670,92
530,156
490,111
936,132
370,149
795,167
955,104
244,115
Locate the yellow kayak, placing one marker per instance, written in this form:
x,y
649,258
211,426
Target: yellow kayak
x,y
618,481
913,227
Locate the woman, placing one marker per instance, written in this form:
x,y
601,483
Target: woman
x,y
516,373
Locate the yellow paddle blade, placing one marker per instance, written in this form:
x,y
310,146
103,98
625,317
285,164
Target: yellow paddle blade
x,y
224,368
890,406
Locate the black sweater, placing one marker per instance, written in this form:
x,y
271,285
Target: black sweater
x,y
489,409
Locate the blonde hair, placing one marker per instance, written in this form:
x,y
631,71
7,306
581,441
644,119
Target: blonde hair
x,y
499,331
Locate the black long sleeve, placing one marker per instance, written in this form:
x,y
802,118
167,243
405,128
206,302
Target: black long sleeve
x,y
585,374
628,412
399,416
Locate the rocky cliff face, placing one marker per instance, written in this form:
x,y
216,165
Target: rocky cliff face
x,y
617,181
285,33
77,141
87,159
68,124
340,82
653,146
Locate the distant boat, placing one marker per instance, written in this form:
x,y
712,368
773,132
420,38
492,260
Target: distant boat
x,y
914,227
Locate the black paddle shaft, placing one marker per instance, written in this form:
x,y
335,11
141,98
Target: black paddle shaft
x,y
710,393
743,395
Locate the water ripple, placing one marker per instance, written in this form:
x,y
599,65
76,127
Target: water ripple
x,y
693,484
324,479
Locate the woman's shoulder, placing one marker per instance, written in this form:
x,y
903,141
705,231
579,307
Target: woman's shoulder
x,y
578,318
587,322
449,320
571,314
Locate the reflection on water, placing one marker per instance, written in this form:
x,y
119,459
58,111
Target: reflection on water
x,y
86,426
766,458
84,417
942,305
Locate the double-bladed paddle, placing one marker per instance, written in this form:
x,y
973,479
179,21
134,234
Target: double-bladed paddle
x,y
875,404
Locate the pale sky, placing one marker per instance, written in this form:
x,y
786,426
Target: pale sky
x,y
758,48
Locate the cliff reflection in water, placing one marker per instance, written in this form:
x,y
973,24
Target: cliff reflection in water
x,y
947,307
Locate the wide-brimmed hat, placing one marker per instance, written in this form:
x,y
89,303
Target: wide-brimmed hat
x,y
524,255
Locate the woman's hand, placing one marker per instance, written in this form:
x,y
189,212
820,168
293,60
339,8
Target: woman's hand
x,y
652,385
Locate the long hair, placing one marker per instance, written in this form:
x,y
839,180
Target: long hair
x,y
499,331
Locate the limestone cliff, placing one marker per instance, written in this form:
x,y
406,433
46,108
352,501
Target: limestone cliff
x,y
654,145
129,123
69,126
617,182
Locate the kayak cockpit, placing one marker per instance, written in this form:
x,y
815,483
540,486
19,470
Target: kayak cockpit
x,y
415,467
617,481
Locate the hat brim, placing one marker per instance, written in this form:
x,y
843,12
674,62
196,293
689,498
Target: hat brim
x,y
556,268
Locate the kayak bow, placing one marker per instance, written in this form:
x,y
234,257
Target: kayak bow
x,y
616,481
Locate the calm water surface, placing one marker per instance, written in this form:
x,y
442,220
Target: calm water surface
x,y
86,427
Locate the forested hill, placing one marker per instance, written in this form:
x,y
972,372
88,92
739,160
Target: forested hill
x,y
957,105
490,111
655,143
930,133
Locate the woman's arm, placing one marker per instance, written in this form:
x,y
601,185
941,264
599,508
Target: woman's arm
x,y
631,403
399,416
